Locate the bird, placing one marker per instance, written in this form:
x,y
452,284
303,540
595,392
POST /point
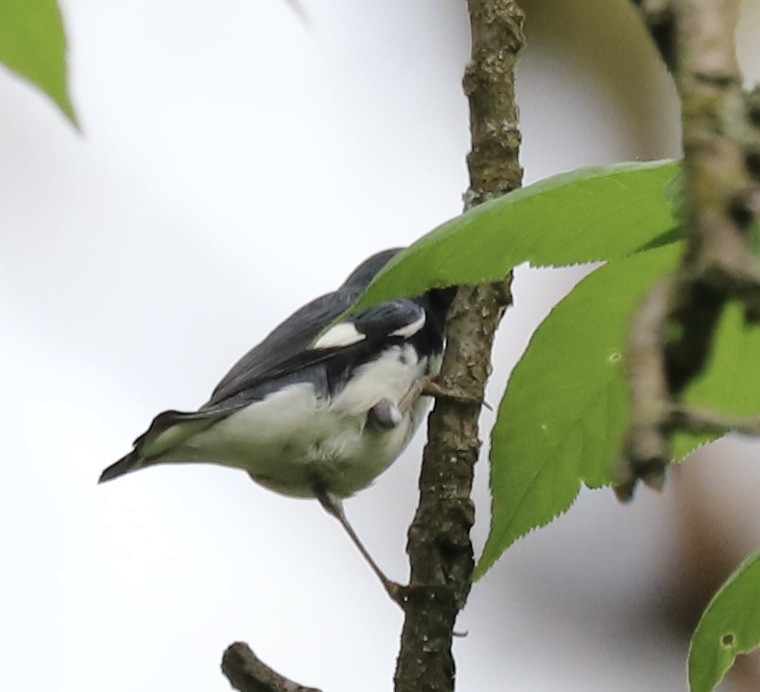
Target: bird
x,y
322,406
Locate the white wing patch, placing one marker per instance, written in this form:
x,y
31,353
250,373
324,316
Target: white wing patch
x,y
342,334
410,329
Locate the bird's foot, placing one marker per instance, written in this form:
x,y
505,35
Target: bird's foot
x,y
385,415
431,386
334,506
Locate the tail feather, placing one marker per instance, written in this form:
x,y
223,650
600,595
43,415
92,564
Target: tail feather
x,y
127,464
166,433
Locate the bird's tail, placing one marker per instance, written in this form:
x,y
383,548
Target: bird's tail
x,y
163,440
128,463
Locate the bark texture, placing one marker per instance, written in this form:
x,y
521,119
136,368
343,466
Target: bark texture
x,y
672,333
248,673
439,547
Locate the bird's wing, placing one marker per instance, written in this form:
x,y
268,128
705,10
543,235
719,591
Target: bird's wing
x,y
298,342
285,349
401,318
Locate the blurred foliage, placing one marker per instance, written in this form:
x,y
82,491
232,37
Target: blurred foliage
x,y
33,45
730,626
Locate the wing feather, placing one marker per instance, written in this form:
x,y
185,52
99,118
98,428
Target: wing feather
x,y
290,347
286,348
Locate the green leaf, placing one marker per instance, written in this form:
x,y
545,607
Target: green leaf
x,y
586,215
33,44
561,419
564,412
729,626
675,195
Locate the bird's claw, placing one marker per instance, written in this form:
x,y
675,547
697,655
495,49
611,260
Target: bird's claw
x,y
429,386
432,387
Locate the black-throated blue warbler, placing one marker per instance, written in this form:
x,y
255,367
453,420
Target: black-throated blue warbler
x,y
316,409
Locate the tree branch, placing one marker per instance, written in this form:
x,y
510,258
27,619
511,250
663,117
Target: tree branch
x,y
439,547
659,17
247,673
672,333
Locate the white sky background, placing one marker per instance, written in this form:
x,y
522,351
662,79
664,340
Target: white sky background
x,y
235,164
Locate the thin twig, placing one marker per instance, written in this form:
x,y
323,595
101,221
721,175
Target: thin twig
x,y
439,547
659,16
247,673
702,420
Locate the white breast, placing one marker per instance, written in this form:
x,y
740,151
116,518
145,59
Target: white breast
x,y
389,377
